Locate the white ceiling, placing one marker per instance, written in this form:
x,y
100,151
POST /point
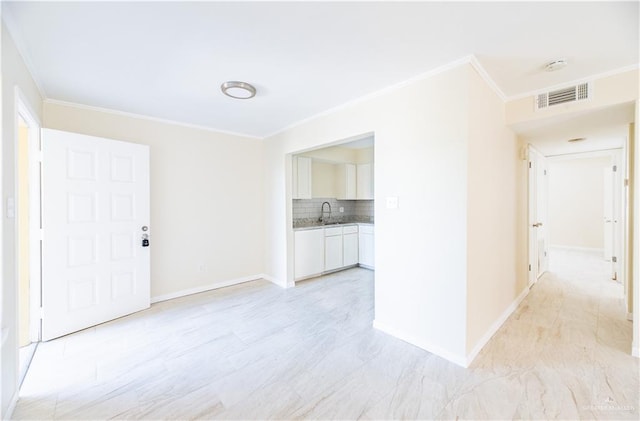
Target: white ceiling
x,y
167,59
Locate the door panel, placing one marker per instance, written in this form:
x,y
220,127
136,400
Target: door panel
x,y
608,214
541,213
538,244
95,201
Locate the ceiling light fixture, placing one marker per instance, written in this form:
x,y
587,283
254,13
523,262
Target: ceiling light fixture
x,y
577,139
238,90
555,65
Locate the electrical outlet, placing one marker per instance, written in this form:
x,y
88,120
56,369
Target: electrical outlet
x,y
341,209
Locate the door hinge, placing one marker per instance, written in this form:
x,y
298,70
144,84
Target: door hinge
x,y
615,276
529,268
615,168
529,164
545,172
626,182
614,259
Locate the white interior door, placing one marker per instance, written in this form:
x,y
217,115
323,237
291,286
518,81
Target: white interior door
x,y
613,217
608,214
538,253
95,213
542,203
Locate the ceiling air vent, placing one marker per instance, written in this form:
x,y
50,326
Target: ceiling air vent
x,y
562,96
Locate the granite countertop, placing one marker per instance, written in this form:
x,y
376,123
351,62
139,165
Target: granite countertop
x,y
311,224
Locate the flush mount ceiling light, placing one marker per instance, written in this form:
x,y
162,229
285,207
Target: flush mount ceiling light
x,y
555,65
577,139
238,90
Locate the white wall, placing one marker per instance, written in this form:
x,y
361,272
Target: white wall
x,y
323,179
365,155
421,157
14,74
206,196
450,260
576,202
496,257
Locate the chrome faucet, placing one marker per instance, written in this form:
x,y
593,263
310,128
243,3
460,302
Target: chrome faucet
x,y
322,212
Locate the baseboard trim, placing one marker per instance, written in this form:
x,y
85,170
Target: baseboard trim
x,y
276,281
204,288
420,343
12,406
495,327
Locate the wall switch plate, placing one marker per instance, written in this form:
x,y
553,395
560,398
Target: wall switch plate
x,y
341,209
392,202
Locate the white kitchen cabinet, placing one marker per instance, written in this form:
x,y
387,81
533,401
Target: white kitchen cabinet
x,y
366,246
333,248
350,252
364,182
309,253
345,178
301,177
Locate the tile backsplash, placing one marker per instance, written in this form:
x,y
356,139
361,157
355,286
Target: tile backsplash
x,y
309,210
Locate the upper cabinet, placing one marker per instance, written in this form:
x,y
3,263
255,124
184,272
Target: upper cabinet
x,y
334,173
346,184
364,182
354,181
301,177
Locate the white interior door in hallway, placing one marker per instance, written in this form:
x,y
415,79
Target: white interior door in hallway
x,y
614,210
95,218
538,259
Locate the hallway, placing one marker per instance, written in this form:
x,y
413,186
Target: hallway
x,y
565,352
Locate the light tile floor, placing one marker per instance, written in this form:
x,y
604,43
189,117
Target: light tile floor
x,y
255,351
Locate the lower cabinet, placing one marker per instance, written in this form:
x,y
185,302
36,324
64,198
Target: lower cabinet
x,y
366,246
350,245
333,249
322,250
309,253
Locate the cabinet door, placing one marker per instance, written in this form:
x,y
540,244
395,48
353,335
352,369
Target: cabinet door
x,y
364,182
350,249
301,177
346,181
333,252
366,249
309,253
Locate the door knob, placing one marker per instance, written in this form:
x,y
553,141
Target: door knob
x,y
537,224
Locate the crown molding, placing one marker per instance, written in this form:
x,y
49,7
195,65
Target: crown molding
x,y
471,59
375,94
488,79
148,118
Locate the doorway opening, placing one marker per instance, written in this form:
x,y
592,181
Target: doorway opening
x,y
28,247
332,208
